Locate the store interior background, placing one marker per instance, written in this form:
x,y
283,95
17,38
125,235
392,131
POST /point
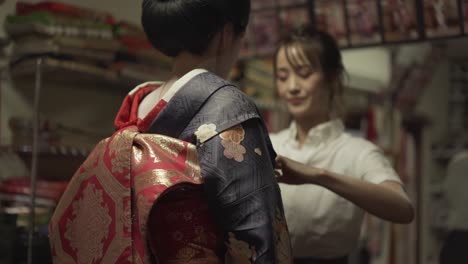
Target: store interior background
x,y
91,106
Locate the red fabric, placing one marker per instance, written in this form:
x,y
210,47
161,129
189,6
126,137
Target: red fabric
x,y
144,191
44,189
23,8
135,43
181,222
105,213
128,113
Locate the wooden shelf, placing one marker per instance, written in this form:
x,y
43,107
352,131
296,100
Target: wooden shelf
x,y
80,73
54,163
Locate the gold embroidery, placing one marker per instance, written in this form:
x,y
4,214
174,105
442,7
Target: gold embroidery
x,y
239,252
137,154
126,217
144,208
144,142
90,227
187,255
201,235
119,163
170,145
117,143
141,157
138,259
61,258
85,214
55,241
155,177
193,167
283,245
258,151
119,148
95,156
205,132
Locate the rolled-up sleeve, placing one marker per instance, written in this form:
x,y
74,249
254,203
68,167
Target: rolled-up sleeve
x,y
374,167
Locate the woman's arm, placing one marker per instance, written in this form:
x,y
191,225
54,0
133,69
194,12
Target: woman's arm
x,y
386,200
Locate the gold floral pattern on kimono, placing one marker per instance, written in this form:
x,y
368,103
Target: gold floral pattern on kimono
x,y
126,216
187,255
193,168
283,245
206,132
138,156
170,145
85,230
238,251
190,254
117,147
231,141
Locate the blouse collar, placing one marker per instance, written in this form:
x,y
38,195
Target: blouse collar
x,y
322,133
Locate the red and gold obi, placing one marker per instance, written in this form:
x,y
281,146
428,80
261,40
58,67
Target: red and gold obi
x,y
138,198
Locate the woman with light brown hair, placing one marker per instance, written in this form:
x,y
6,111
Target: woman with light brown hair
x,y
329,177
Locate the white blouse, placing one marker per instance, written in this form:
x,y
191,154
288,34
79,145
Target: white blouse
x,y
321,223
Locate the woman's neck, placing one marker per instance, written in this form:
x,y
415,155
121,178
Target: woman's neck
x,y
186,62
182,64
304,125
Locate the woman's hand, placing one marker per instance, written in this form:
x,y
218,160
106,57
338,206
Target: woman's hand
x,y
295,173
386,200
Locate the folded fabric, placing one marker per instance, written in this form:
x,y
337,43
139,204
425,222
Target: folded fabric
x,y
45,189
34,46
124,28
47,18
45,23
23,200
23,8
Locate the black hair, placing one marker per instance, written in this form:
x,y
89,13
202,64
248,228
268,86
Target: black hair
x,y
173,26
321,51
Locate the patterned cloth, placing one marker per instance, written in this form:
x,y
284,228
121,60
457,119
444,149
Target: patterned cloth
x,y
102,216
199,186
237,164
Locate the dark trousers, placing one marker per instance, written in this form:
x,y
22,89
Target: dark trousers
x,y
455,248
343,260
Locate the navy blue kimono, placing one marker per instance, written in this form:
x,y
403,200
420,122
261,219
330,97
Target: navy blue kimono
x,y
237,163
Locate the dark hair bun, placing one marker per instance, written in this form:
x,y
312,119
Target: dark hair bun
x,y
176,25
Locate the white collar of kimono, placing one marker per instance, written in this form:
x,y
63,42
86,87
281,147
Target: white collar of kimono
x,y
319,134
175,87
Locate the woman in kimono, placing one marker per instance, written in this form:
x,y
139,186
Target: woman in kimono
x,y
193,130
330,178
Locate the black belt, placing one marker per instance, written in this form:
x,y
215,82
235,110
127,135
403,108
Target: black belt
x,y
343,260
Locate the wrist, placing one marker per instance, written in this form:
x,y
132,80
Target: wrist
x,y
319,176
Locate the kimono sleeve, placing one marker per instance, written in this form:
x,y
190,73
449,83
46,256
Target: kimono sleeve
x,y
241,188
